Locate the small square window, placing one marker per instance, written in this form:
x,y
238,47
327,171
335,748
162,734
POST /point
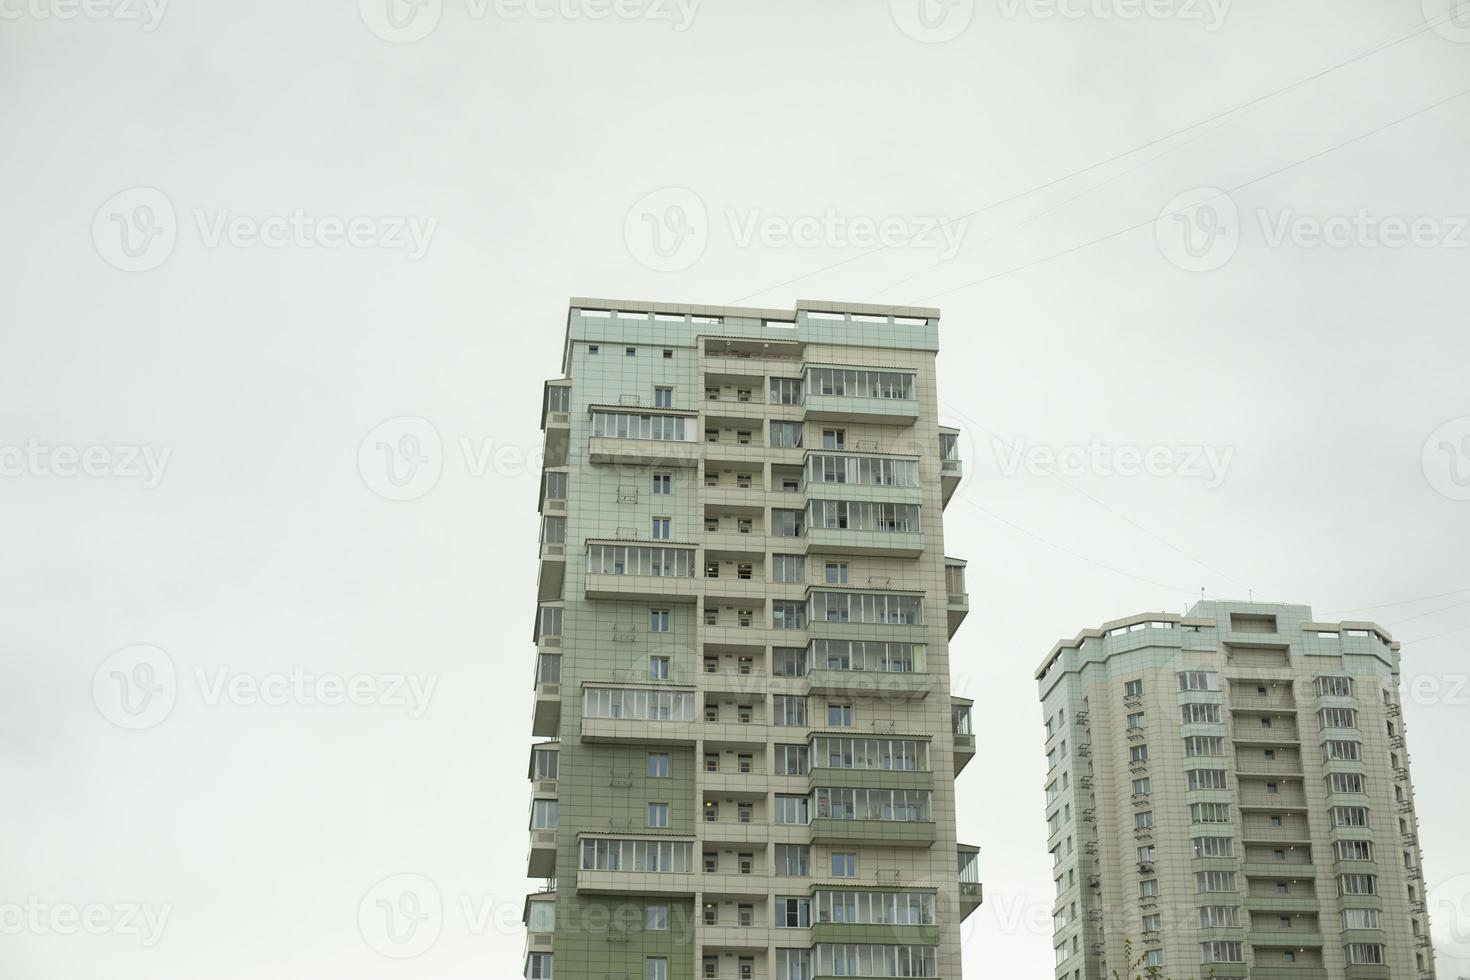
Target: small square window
x,y
668,354
629,351
592,348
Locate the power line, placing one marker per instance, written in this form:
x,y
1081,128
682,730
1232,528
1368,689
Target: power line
x,y
1432,612
1241,108
1401,602
1229,190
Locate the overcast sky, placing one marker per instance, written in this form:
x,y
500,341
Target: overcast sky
x,y
240,237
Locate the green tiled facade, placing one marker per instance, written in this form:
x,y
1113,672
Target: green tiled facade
x,y
746,740
1229,792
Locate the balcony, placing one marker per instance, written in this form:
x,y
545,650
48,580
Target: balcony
x,y
556,421
964,734
656,571
539,917
951,469
675,454
546,712
958,606
843,394
655,588
969,871
628,883
551,579
541,862
908,685
877,544
880,833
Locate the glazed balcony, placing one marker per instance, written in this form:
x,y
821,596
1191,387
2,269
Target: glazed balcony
x,y
839,393
951,469
958,605
971,894
541,861
964,732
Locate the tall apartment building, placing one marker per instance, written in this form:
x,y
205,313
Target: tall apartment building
x,y
742,650
1229,792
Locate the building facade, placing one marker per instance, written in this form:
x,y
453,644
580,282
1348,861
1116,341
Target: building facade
x,y
1228,793
748,742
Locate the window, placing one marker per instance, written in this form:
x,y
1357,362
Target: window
x,y
1219,916
746,863
663,484
711,862
1153,922
1352,850
668,354
875,908
543,814
711,811
793,860
1148,888
1143,820
1361,919
834,438
785,391
1214,881
1138,753
658,621
1135,720
793,809
788,614
625,425
844,864
792,760
860,515
1199,680
1342,750
788,661
605,854
839,715
786,435
867,470
743,812
1338,718
1364,953
711,914
1222,952
658,668
1357,884
1200,714
1205,778
655,967
663,397
1205,847
785,523
1334,687
835,572
1196,745
867,607
858,383
1349,816
592,348
788,568
833,752
658,765
538,965
661,526
555,486
1209,813
658,814
788,710
793,913
1133,689
902,805
1142,787
639,704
